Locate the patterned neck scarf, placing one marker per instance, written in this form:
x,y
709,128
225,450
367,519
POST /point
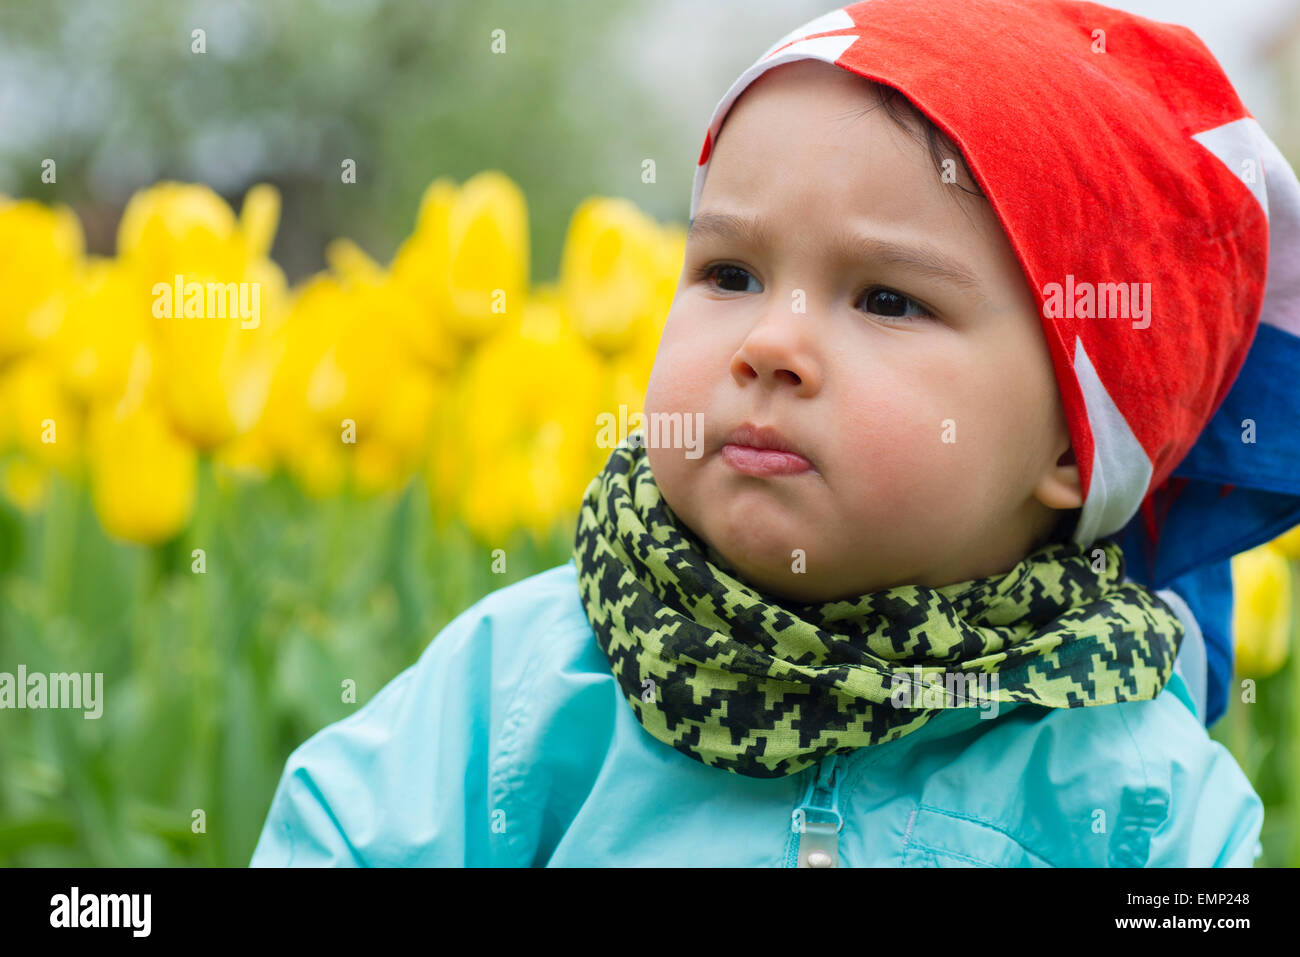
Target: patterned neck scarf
x,y
763,687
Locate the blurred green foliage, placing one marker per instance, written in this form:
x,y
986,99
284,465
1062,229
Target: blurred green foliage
x,y
210,680
409,89
1263,736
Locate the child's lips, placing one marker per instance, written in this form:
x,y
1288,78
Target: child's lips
x,y
762,451
764,462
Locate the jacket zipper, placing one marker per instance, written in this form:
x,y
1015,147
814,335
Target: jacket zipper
x,y
816,822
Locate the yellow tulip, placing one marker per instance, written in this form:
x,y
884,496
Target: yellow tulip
x,y
354,370
246,457
142,474
347,393
216,378
362,379
318,465
631,368
526,434
24,483
40,256
258,219
420,266
399,434
101,331
213,299
491,505
1288,543
39,417
467,263
1261,581
611,271
428,342
447,359
174,227
298,347
375,468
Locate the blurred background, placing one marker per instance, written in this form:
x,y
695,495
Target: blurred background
x,y
235,520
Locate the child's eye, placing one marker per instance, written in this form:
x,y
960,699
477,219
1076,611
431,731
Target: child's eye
x,y
879,300
728,274
882,301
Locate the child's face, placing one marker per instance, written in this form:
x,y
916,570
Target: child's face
x,y
933,440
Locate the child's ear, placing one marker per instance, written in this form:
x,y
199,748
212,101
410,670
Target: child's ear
x,y
1059,486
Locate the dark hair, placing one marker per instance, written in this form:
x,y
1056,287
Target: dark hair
x,y
904,113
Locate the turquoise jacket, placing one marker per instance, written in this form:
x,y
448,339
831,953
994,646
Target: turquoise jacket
x,y
509,744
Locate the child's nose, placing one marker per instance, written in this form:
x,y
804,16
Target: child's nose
x,y
776,352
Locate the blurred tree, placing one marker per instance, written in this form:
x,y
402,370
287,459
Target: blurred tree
x,y
286,92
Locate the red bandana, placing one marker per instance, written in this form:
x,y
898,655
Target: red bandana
x,y
1139,195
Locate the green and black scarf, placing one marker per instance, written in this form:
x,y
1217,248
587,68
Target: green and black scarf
x,y
763,687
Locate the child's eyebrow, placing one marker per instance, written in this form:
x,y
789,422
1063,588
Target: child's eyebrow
x,y
921,257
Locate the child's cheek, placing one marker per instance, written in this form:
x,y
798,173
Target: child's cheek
x,y
676,386
908,452
685,365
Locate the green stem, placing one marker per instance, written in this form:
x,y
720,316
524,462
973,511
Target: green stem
x,y
1293,731
204,654
59,544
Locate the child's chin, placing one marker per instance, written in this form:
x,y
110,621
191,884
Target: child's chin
x,y
774,576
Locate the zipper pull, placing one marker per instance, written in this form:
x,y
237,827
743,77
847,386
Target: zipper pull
x,y
817,819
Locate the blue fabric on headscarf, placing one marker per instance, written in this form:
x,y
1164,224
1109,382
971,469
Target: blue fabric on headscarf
x,y
1208,594
1237,488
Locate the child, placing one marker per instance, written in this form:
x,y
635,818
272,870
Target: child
x,y
937,386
